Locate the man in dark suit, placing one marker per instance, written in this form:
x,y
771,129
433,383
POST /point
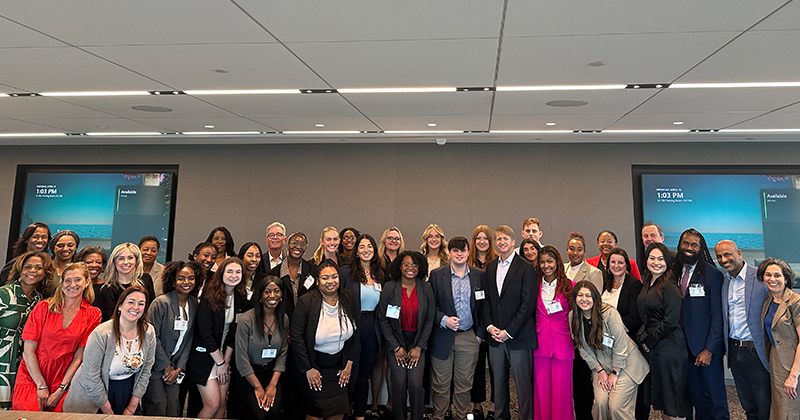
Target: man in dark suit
x,y
701,317
455,340
509,318
742,301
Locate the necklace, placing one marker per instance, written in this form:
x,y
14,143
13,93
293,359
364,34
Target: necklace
x,y
328,301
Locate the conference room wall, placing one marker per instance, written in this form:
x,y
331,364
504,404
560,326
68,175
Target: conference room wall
x,y
569,187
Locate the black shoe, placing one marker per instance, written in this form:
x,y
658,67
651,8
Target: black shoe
x,y
448,415
374,415
477,414
490,415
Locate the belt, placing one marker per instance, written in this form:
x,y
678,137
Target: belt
x,y
460,331
740,343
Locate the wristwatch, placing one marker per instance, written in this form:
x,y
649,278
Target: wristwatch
x,y
614,372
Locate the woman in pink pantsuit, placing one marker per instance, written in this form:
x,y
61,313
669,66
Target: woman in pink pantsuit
x,y
552,361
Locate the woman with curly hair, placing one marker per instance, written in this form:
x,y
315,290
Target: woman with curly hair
x,y
35,237
173,317
221,238
30,274
119,359
347,242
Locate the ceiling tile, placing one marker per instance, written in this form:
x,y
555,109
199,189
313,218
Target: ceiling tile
x,y
40,107
462,122
307,123
421,104
312,105
748,100
615,102
182,106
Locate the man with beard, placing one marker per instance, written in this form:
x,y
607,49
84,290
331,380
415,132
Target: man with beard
x,y
701,317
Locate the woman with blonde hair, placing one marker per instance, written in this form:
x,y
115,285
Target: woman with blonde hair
x,y
390,246
434,247
46,371
328,246
125,268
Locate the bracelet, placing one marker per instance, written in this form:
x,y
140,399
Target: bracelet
x,y
220,364
39,388
63,387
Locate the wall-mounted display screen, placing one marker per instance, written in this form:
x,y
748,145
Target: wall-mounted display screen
x,y
756,207
104,205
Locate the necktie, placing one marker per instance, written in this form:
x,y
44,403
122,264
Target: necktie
x,y
685,279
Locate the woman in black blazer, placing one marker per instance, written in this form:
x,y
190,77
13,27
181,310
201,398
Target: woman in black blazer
x,y
621,289
305,272
328,312
250,254
215,335
405,316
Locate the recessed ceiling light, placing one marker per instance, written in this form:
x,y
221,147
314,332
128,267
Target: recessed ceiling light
x,y
550,123
398,90
677,122
567,103
208,126
732,85
319,125
597,63
558,87
151,108
97,93
223,71
243,92
431,124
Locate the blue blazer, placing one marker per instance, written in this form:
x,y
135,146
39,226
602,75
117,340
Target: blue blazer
x,y
755,293
702,316
441,281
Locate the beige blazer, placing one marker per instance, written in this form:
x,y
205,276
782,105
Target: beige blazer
x,y
784,327
623,354
590,273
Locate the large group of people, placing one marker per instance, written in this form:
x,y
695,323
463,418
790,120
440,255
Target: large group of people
x,y
273,334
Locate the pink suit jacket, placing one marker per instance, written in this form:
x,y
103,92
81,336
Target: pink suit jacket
x,y
553,332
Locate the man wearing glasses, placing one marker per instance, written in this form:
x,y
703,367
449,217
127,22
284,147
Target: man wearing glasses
x,y
276,239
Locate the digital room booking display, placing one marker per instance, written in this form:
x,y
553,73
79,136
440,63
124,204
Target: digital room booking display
x,y
760,212
105,208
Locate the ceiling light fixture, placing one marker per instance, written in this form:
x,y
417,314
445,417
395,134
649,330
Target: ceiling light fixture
x,y
125,134
322,132
530,131
208,126
319,125
550,123
558,87
151,108
597,63
431,124
398,90
732,85
32,134
424,132
243,92
761,130
566,103
97,93
219,133
644,131
677,122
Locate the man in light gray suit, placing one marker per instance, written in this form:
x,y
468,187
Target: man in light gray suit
x,y
742,301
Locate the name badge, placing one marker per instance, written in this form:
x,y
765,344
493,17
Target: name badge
x,y
393,312
249,294
239,315
309,282
608,340
269,353
181,324
378,287
480,295
554,307
200,349
697,290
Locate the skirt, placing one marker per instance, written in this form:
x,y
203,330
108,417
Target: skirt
x,y
332,399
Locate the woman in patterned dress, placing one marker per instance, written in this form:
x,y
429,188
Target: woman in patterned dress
x,y
29,276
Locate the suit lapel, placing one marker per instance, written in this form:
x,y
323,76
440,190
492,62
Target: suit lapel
x,y
448,286
582,272
782,307
512,271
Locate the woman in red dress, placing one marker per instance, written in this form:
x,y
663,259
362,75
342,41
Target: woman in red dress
x,y
63,323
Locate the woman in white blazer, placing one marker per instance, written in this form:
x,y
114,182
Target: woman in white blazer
x,y
617,365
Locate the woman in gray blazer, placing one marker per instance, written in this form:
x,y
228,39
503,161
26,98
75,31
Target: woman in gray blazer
x,y
781,319
617,365
172,316
117,361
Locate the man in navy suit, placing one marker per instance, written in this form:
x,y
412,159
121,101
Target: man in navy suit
x,y
455,340
508,315
701,317
742,300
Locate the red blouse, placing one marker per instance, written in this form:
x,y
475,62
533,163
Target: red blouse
x,y
409,309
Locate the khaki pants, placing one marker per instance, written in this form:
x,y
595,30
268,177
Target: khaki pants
x,y
619,404
458,367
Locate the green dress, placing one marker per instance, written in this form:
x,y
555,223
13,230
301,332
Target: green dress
x,y
14,310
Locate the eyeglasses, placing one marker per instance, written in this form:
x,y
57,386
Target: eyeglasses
x,y
330,277
298,244
410,265
393,238
275,235
349,238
